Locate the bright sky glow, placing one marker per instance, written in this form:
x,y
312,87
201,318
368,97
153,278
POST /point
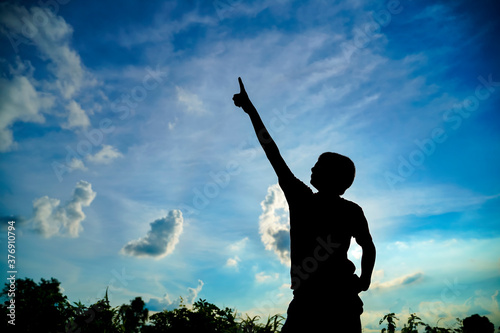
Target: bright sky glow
x,y
125,163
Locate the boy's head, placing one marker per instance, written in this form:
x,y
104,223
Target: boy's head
x,y
333,173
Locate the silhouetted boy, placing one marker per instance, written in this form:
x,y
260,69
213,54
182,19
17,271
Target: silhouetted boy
x,y
325,288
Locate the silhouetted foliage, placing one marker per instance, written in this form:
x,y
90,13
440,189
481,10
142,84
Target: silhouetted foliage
x,y
413,322
133,316
98,317
204,317
478,324
391,324
472,324
251,325
38,307
43,308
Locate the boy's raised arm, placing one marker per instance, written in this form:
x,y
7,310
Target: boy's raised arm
x,y
270,148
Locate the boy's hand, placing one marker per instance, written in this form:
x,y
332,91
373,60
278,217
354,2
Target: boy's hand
x,y
241,99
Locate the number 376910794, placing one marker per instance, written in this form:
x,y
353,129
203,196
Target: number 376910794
x,y
11,247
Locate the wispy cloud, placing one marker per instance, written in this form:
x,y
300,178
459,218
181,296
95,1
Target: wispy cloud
x,y
402,281
191,102
77,164
263,277
423,200
233,262
238,246
236,249
106,155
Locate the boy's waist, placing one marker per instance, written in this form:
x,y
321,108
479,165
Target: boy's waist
x,y
314,289
322,275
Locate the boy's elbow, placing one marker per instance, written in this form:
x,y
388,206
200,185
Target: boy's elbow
x,y
372,247
369,247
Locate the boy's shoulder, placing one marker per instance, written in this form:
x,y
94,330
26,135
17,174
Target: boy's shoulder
x,y
351,204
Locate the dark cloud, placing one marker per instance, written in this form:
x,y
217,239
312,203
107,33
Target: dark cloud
x,y
160,240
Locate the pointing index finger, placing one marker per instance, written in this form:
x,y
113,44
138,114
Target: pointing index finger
x,y
242,87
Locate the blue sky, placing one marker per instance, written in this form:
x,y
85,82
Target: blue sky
x,y
125,163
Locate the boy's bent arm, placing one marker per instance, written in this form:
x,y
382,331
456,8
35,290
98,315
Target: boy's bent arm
x,y
367,263
364,239
265,139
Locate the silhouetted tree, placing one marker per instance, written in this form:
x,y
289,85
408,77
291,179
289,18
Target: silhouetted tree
x,y
43,308
133,316
459,329
251,324
38,307
204,317
413,322
391,324
98,317
478,324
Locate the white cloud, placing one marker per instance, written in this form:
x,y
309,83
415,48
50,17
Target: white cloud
x,y
233,262
77,164
51,35
235,249
378,274
52,39
399,282
193,292
172,124
76,116
105,156
274,226
19,101
165,303
50,218
239,245
262,277
401,245
192,102
161,240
